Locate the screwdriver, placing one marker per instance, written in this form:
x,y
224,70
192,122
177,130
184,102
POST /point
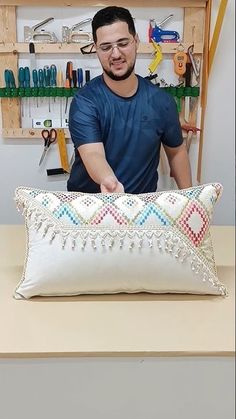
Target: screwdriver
x,y
60,90
80,77
87,76
36,84
9,79
21,80
41,83
47,77
27,86
53,79
74,78
69,69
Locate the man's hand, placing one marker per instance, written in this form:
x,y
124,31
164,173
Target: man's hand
x,y
111,185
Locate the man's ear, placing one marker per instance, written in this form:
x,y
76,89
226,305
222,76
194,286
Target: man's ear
x,y
137,41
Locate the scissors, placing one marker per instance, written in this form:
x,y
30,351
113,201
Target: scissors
x,y
49,138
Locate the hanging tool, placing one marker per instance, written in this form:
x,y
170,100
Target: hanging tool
x,y
35,84
87,76
41,83
69,69
32,34
195,65
74,78
47,78
9,79
21,81
27,85
160,35
80,77
190,132
53,79
60,85
158,57
49,138
73,35
180,59
61,141
187,91
32,57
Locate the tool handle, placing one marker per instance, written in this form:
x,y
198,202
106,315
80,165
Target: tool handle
x,y
69,69
7,78
41,78
87,75
27,77
80,77
187,75
46,75
60,78
35,78
74,78
53,75
21,77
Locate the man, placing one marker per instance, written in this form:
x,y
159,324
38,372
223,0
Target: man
x,y
119,120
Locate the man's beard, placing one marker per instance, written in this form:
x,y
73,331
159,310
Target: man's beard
x,y
119,78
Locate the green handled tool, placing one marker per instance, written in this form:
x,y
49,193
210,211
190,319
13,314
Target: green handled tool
x,y
36,85
27,87
47,78
21,81
53,80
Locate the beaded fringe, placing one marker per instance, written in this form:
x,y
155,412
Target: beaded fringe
x,y
165,240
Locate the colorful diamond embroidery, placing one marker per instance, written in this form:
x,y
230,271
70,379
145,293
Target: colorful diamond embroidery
x,y
172,203
107,215
67,213
194,222
129,206
149,213
48,200
87,207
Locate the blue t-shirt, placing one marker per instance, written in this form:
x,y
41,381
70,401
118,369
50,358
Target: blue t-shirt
x,y
130,128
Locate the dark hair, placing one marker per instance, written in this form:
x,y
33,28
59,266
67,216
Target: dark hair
x,y
109,15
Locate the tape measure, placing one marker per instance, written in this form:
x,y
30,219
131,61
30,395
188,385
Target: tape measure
x,y
61,141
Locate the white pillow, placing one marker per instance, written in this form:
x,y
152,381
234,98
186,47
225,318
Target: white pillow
x,y
109,243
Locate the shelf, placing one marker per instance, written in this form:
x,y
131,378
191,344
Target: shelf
x,y
104,3
31,133
74,48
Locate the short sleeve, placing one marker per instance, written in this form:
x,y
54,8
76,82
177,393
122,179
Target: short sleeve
x,y
83,121
172,136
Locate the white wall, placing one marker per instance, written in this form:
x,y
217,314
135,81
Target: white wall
x,y
19,158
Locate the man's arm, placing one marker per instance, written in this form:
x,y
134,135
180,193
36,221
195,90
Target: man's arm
x,y
94,159
179,165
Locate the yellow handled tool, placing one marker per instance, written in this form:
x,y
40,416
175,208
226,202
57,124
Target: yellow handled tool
x,y
158,57
61,141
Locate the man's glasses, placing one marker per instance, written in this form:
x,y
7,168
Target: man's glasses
x,y
122,45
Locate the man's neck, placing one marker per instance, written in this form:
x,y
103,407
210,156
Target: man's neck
x,y
124,88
